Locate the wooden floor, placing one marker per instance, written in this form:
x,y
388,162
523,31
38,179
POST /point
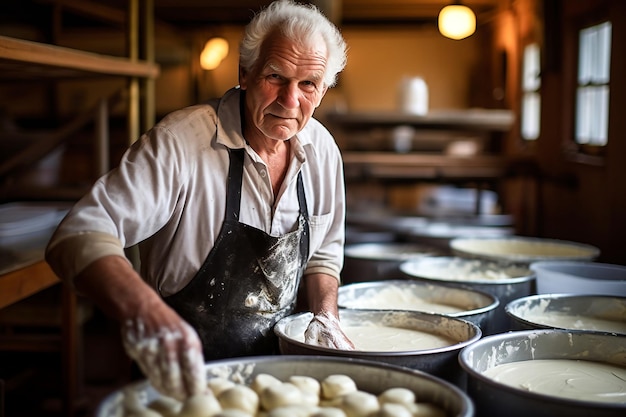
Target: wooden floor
x,y
32,381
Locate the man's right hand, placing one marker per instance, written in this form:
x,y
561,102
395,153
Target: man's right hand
x,y
167,350
170,356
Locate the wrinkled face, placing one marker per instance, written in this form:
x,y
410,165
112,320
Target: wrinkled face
x,y
284,88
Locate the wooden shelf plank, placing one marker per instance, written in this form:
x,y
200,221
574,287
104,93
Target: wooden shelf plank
x,y
23,51
472,119
388,165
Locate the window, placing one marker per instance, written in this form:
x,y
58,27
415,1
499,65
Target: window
x,y
531,99
592,94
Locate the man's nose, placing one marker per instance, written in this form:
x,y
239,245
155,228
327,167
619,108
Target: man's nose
x,y
289,95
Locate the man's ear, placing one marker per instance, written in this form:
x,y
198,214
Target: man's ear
x,y
242,78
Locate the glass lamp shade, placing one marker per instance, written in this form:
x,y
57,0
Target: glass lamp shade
x,y
215,50
457,22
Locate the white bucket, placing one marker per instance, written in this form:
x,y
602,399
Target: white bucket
x,y
414,95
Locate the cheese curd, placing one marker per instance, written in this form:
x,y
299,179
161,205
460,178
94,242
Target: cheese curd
x,y
336,395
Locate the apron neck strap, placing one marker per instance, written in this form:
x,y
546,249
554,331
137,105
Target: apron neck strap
x,y
233,187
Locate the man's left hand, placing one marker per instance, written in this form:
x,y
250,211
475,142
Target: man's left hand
x,y
324,330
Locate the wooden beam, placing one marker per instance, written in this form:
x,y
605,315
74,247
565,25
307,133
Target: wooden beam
x,y
19,50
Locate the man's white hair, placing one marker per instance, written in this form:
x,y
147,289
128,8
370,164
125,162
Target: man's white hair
x,y
301,22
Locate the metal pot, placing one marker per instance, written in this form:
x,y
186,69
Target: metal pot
x,y
602,313
439,234
518,249
441,362
475,306
505,282
373,377
494,398
379,261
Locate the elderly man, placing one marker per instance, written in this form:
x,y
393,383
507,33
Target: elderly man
x,y
232,203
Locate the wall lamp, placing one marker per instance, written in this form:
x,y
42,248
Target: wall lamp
x,y
457,21
215,50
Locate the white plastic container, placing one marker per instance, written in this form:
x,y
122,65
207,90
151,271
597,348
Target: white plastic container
x,y
576,277
414,96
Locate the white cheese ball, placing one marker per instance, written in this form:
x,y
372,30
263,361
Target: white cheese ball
x,y
217,385
306,383
262,381
359,404
233,412
329,412
200,405
397,395
280,395
292,411
240,397
426,410
166,406
394,410
333,403
337,385
309,387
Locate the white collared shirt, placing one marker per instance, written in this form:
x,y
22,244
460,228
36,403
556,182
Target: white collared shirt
x,y
168,195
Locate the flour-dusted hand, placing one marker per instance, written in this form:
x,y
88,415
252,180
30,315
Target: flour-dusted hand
x,y
324,330
171,358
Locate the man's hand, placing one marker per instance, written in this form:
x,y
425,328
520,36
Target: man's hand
x,y
169,356
324,330
166,348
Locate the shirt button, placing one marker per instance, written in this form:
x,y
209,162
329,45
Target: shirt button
x,y
263,173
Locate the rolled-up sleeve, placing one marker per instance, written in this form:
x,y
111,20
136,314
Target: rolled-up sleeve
x,y
69,256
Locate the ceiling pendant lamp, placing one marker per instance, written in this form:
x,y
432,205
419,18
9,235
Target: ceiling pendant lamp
x,y
215,50
457,21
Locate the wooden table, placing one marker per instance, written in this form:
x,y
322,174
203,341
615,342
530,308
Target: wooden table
x,y
26,278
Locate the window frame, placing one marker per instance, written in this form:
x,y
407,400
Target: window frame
x,y
587,154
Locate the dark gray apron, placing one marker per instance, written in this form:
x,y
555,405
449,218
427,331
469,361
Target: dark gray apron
x,y
248,281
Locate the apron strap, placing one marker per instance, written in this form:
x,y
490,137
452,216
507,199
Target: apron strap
x,y
304,214
233,186
302,197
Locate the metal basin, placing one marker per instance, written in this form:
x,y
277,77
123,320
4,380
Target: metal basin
x,y
469,304
504,281
493,398
518,249
379,261
441,361
369,376
439,234
601,313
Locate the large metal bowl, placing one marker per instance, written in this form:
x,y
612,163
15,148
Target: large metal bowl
x,y
602,313
439,234
369,376
441,361
365,262
504,281
518,249
493,398
476,306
